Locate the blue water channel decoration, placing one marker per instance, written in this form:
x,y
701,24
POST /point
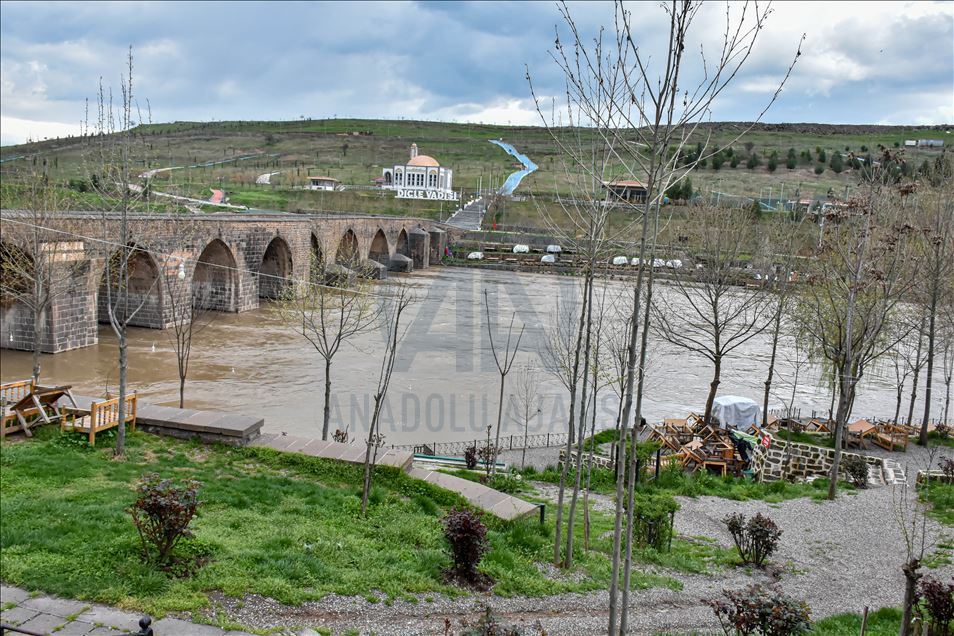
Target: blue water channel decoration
x,y
514,179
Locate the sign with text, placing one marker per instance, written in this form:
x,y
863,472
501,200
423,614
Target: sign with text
x,y
431,195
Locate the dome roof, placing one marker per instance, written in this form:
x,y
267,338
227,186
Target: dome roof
x,y
424,160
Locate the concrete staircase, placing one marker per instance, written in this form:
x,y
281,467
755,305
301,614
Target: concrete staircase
x,y
470,216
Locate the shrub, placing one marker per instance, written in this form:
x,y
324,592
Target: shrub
x,y
938,599
470,457
947,467
837,164
819,168
653,518
490,625
755,539
162,513
943,431
760,610
857,469
752,162
734,161
505,482
467,536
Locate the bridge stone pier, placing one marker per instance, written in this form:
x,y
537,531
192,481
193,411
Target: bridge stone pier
x,y
226,262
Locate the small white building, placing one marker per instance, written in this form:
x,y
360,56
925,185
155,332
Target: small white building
x,y
422,177
323,183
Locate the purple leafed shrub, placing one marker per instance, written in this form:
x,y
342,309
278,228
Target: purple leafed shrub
x,y
938,599
467,536
162,513
762,611
755,539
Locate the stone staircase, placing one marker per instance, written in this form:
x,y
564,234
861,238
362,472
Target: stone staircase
x,y
470,216
893,472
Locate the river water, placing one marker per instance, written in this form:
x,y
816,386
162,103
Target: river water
x,y
445,385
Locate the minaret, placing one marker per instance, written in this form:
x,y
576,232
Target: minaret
x,y
413,150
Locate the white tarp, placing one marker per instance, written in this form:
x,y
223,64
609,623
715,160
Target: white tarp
x,y
736,412
548,258
519,248
554,249
475,256
620,260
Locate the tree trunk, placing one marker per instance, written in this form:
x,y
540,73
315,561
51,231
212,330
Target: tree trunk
x,y
917,373
503,379
571,517
911,577
897,406
841,418
713,388
121,432
771,368
326,422
37,335
569,438
181,391
923,437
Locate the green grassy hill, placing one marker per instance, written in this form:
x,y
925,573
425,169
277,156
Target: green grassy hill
x,y
355,151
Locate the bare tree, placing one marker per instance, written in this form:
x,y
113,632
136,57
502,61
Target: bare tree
x,y
37,263
781,254
504,362
391,311
527,400
111,175
708,315
858,279
915,363
911,519
328,316
189,318
652,114
936,273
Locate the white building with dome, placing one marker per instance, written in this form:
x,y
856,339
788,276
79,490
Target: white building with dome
x,y
422,177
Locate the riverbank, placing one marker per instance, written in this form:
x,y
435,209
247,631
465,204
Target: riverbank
x,y
278,545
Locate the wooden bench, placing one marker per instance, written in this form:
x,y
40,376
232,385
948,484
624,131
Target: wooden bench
x,y
10,394
101,416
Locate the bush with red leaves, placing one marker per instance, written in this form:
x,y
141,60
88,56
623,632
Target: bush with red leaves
x,y
762,611
467,536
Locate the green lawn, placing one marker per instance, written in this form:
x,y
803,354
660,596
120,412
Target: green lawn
x,y
281,525
884,622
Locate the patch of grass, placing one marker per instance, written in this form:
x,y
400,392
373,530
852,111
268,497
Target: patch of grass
x,y
815,439
941,498
277,524
935,438
884,622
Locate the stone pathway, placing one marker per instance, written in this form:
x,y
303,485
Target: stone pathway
x,y
62,617
501,505
351,453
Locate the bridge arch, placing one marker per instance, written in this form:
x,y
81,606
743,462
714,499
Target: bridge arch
x,y
380,248
143,291
402,244
215,280
316,263
276,268
348,254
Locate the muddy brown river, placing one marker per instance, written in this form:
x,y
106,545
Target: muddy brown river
x,y
445,386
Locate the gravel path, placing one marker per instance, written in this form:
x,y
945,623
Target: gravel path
x,y
838,556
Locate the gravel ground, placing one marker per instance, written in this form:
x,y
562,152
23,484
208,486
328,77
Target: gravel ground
x,y
539,458
838,556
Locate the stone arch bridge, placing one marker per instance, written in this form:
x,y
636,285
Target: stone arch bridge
x,y
227,262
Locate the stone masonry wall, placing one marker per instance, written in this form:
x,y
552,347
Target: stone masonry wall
x,y
783,460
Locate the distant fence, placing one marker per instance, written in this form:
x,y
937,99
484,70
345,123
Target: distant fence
x,y
508,442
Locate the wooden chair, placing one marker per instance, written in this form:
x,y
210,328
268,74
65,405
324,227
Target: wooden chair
x,y
10,394
101,416
890,436
41,405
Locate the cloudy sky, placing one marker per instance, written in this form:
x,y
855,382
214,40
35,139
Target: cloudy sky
x,y
872,62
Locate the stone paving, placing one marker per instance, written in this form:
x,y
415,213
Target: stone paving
x,y
351,453
63,617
